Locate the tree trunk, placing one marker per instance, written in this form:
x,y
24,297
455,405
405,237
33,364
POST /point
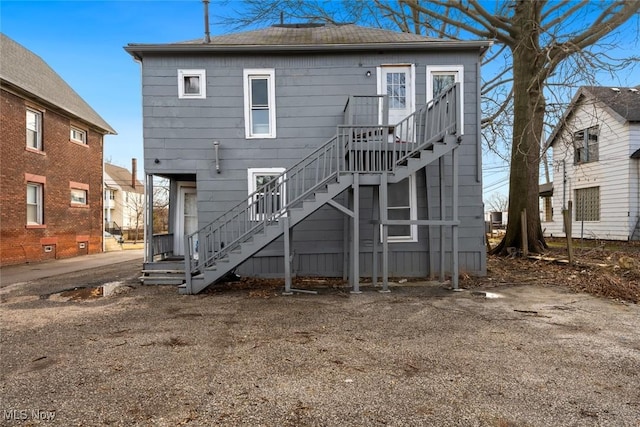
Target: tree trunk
x,y
529,106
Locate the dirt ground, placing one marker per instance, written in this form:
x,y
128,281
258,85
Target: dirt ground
x,y
525,346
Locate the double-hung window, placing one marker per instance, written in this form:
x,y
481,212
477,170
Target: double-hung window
x,y
34,129
259,103
401,205
34,203
266,195
585,143
192,84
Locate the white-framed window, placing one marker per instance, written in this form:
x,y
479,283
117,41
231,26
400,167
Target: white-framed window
x,y
34,129
402,203
79,196
34,203
441,76
271,199
259,103
585,144
587,204
192,84
78,135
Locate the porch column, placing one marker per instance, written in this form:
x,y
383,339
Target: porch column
x,y
148,219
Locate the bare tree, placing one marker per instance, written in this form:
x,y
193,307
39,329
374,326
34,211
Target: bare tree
x,y
498,202
160,205
541,47
134,205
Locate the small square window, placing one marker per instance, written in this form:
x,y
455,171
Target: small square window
x,y
78,196
266,195
192,84
78,135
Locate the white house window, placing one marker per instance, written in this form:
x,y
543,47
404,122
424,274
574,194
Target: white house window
x,y
259,103
34,203
441,76
78,135
588,204
401,204
585,143
269,199
34,129
192,84
78,196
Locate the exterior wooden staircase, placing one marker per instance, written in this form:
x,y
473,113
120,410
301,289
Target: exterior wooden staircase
x,y
374,153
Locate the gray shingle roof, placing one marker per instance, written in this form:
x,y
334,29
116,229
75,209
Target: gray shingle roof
x,y
22,68
624,101
310,37
121,177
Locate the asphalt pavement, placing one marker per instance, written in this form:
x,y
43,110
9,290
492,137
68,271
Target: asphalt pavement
x,y
27,272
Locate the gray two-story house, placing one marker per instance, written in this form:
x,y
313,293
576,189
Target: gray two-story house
x,y
315,150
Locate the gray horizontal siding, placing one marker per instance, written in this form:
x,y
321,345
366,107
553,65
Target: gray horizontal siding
x,y
311,92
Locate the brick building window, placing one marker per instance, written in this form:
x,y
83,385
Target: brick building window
x,y
78,197
79,194
34,204
78,135
34,129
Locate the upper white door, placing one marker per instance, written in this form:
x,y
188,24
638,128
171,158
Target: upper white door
x,y
397,82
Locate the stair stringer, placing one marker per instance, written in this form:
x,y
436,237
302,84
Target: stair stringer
x,y
260,240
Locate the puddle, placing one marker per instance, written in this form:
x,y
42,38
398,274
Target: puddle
x,y
86,293
487,295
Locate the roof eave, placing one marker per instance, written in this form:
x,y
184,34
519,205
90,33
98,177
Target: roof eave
x,y
105,130
137,50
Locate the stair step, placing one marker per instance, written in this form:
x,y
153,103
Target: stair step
x,y
162,280
158,271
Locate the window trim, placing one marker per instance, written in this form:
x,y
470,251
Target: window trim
x,y
39,186
248,74
39,120
413,215
252,187
202,76
458,72
82,141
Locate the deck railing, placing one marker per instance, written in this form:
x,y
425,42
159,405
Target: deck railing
x,y
162,244
356,148
366,109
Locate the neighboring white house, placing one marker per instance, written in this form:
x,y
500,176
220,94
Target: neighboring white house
x,y
123,199
596,166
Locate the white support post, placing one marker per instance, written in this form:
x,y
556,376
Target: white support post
x,y
385,231
148,223
355,270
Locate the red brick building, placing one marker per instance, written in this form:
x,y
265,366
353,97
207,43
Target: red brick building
x,y
51,146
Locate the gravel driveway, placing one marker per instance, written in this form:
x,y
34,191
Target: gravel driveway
x,y
245,355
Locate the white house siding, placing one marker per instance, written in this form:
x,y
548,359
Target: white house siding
x,y
611,173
